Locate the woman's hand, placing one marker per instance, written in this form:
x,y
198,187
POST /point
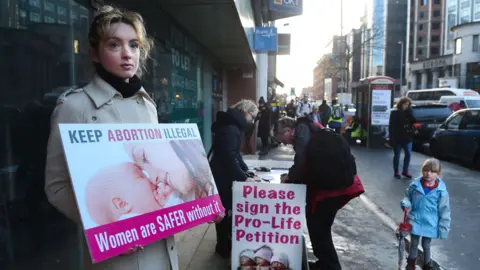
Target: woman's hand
x,y
220,216
133,250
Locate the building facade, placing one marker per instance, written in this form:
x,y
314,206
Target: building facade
x,y
354,56
466,58
199,65
388,32
458,12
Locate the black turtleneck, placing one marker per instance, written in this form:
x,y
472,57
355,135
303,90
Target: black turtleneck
x,y
127,89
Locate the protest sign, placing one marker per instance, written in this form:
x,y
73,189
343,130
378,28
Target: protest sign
x,y
268,221
135,184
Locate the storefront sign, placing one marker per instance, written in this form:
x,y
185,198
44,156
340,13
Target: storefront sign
x,y
284,44
434,63
268,221
266,39
288,7
381,105
135,184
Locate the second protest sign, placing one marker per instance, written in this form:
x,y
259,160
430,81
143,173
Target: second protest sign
x,y
268,221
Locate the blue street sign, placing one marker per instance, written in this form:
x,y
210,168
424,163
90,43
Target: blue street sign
x,y
292,7
266,39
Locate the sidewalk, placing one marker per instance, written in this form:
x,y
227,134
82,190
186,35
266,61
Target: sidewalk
x,y
361,239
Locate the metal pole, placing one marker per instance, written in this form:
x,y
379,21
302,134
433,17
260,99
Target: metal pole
x,y
401,67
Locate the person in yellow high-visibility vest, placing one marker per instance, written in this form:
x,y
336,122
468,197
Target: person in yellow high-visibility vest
x,y
336,116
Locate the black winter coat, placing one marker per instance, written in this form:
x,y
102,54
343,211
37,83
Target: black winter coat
x,y
227,164
400,128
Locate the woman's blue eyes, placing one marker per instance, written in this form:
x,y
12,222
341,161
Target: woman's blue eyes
x,y
114,45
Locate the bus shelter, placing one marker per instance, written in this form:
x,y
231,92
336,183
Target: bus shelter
x,y
374,99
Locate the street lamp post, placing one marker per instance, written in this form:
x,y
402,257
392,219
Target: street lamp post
x,y
401,66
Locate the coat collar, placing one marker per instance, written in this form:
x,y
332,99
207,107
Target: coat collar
x,y
418,184
101,92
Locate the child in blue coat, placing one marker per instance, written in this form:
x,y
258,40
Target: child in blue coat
x,y
428,203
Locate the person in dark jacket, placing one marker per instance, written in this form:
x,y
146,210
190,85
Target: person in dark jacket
x,y
291,109
264,123
324,113
401,133
322,205
227,164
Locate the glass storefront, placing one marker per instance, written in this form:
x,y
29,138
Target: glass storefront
x,y
44,51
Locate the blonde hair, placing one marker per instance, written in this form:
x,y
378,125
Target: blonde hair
x,y
246,106
403,100
432,165
108,15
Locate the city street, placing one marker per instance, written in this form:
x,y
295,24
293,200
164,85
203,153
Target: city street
x,y
461,250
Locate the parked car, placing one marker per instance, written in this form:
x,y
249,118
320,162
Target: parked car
x,y
428,118
459,137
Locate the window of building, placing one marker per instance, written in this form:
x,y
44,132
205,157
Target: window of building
x,y
433,51
49,6
435,38
420,39
34,17
421,26
437,13
48,19
422,14
62,21
423,2
475,44
458,46
62,11
420,52
437,2
435,26
34,3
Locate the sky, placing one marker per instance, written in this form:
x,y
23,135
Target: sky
x,y
311,33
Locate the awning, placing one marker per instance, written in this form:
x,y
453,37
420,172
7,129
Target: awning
x,y
215,24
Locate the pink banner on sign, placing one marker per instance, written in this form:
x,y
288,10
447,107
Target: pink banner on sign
x,y
116,238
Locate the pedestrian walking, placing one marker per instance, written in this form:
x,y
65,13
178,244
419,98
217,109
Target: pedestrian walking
x,y
264,124
227,164
335,121
401,133
290,109
324,113
428,203
324,163
304,107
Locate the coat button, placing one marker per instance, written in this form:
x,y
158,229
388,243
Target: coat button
x,y
110,102
94,118
139,100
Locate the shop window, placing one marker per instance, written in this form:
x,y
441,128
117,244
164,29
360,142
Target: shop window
x,y
34,3
475,43
62,11
37,65
34,17
49,6
435,26
48,19
458,46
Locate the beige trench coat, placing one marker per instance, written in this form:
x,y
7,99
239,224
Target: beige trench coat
x,y
98,102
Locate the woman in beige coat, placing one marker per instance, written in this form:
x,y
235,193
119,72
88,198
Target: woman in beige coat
x,y
119,48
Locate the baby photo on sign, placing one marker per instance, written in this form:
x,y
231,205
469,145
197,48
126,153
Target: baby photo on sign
x,y
263,258
151,176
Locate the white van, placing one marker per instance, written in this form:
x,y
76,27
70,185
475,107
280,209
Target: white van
x,y
470,101
425,96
